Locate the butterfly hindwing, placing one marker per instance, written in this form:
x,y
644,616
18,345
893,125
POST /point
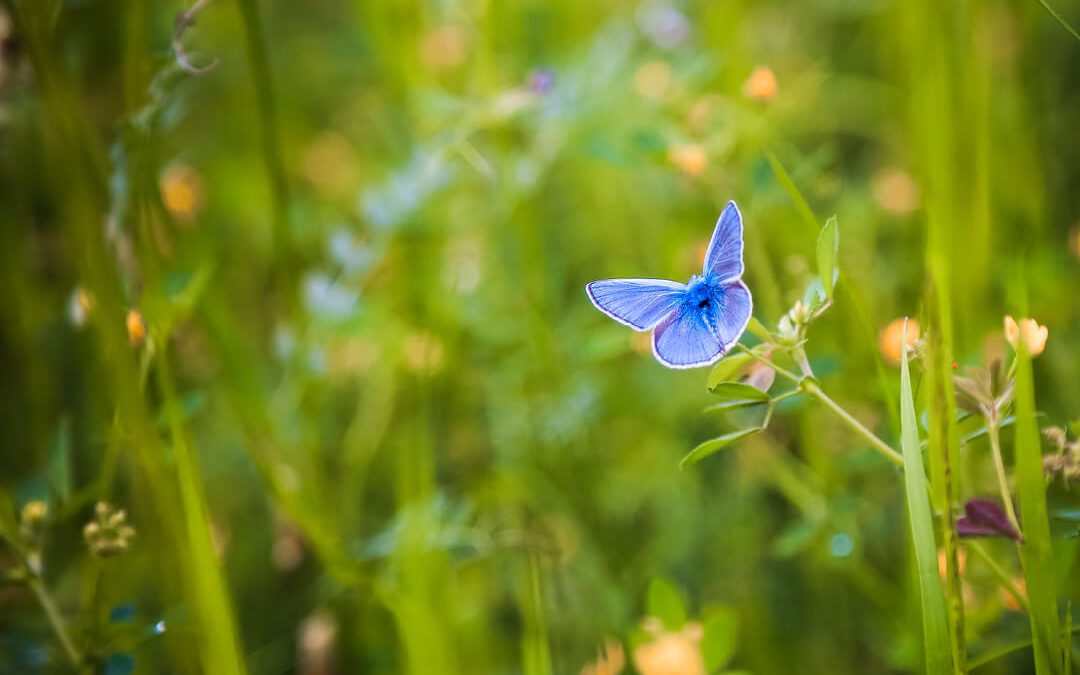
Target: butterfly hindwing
x,y
734,315
686,340
724,259
637,303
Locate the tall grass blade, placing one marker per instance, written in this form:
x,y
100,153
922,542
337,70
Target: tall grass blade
x,y
936,646
1036,552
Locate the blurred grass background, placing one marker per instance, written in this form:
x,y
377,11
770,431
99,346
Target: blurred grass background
x,y
376,426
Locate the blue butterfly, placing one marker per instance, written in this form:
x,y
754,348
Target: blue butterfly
x,y
696,323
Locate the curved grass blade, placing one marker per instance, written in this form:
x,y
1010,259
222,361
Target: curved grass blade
x,y
1060,19
936,643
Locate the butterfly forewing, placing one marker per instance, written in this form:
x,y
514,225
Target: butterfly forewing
x,y
724,259
638,303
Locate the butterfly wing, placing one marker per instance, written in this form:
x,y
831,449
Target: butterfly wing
x,y
724,259
693,336
733,314
637,303
686,340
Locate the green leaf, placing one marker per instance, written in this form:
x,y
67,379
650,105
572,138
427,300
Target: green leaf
x,y
936,647
737,395
709,447
828,243
1036,552
719,637
814,296
729,368
665,603
758,329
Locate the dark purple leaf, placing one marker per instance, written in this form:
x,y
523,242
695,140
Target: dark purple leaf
x,y
985,518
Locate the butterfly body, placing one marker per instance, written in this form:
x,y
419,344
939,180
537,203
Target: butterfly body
x,y
696,323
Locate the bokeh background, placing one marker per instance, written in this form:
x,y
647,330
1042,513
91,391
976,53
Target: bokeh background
x,y
368,421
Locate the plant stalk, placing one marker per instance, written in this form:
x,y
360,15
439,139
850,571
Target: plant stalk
x,y
999,467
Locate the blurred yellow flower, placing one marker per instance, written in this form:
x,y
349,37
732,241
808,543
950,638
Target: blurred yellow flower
x,y
672,653
1033,334
895,190
690,158
892,337
1074,241
136,327
330,164
444,47
181,191
423,352
641,342
652,79
761,85
942,562
611,662
79,306
1008,599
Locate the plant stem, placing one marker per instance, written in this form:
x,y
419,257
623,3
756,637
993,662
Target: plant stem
x,y
999,466
761,359
1000,574
56,620
811,388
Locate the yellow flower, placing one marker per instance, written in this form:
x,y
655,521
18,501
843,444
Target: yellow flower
x,y
1011,601
444,47
892,337
611,662
651,79
895,190
181,191
761,85
690,158
136,328
1033,334
671,653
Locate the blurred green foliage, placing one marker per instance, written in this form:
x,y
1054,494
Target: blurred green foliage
x,y
374,424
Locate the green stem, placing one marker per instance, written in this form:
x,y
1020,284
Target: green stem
x,y
882,448
59,626
761,359
810,387
999,573
999,467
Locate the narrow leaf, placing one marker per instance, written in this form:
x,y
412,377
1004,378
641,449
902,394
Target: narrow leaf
x,y
936,647
828,243
719,443
665,603
1035,553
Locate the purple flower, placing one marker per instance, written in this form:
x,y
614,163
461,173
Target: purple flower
x,y
541,80
985,518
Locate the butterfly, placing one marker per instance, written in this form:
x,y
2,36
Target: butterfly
x,y
693,324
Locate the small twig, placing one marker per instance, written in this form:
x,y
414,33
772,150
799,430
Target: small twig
x,y
185,20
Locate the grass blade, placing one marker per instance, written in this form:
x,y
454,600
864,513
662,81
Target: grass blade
x,y
1036,552
801,205
936,644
